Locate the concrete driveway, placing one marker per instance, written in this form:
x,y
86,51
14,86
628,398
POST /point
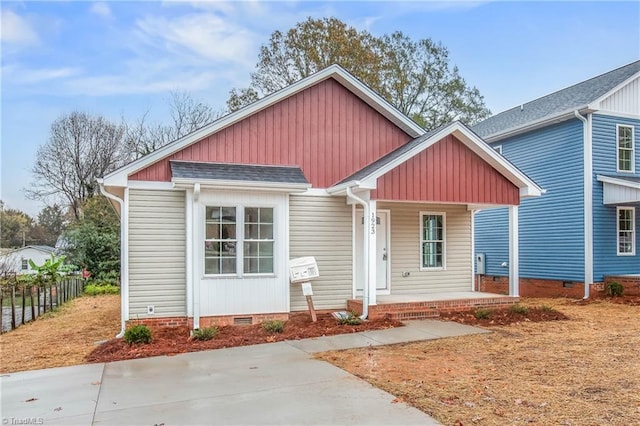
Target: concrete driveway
x,y
270,384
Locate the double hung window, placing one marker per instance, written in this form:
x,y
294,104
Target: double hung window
x,y
432,240
625,149
626,231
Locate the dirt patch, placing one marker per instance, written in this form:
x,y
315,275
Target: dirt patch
x,y
63,337
583,371
175,340
504,316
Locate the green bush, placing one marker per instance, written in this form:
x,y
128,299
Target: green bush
x,y
273,326
95,289
614,289
546,308
137,334
482,313
519,309
206,333
349,319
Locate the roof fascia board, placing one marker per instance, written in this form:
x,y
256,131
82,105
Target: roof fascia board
x,y
620,182
239,185
119,177
596,104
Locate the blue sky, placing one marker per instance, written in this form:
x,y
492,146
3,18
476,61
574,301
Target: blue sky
x,y
121,59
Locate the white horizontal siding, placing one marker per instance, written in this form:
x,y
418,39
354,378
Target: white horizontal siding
x,y
156,253
321,227
405,249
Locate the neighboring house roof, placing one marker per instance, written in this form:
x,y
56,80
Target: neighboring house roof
x,y
44,249
225,172
119,177
366,176
579,97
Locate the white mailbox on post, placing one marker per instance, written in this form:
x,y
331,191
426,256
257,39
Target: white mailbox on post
x,y
302,270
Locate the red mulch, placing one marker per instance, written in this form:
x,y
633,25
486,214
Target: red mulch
x,y
504,317
176,340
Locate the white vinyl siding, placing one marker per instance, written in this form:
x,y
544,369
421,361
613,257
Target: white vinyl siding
x,y
626,148
320,226
406,252
626,231
156,253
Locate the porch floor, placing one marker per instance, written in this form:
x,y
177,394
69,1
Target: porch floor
x,y
420,306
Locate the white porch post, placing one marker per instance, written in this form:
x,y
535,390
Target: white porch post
x,y
514,273
371,229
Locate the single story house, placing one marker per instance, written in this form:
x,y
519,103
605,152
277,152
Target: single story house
x,y
324,168
17,261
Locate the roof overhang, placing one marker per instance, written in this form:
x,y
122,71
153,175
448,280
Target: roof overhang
x,y
235,185
619,190
119,177
528,188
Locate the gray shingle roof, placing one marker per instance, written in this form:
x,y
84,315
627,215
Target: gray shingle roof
x,y
48,249
238,172
565,100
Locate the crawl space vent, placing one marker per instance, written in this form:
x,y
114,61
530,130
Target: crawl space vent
x,y
242,321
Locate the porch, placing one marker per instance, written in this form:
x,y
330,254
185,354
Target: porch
x,y
420,306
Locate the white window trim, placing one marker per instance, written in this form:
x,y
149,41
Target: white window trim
x,y
633,148
444,240
22,264
239,241
633,231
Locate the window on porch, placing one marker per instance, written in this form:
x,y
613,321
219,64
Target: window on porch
x,y
432,240
626,231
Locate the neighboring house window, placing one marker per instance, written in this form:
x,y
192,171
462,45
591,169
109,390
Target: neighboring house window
x,y
228,229
625,149
498,149
432,240
25,264
626,231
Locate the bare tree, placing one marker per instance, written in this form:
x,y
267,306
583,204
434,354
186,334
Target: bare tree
x,y
187,115
81,148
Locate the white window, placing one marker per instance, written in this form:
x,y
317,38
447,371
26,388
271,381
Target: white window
x,y
432,240
229,229
25,264
626,231
625,148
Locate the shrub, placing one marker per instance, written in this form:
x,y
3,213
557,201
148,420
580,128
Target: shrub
x,y
137,334
482,313
546,308
206,333
614,289
94,289
519,309
349,319
274,326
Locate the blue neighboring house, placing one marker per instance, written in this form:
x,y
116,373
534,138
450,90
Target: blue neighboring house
x,y
581,144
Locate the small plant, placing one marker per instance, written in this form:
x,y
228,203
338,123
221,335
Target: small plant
x,y
273,326
482,313
614,289
519,309
137,334
546,308
94,289
206,333
349,319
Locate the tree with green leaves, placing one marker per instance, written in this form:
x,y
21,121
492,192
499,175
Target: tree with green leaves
x,y
15,227
414,76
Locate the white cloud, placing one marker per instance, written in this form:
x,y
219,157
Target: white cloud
x,y
16,29
206,35
17,74
101,9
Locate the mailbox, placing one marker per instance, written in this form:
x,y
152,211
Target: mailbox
x,y
303,269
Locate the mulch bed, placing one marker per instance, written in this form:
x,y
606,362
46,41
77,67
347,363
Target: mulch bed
x,y
175,340
504,316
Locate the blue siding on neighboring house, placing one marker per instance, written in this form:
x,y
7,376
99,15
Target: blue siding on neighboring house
x,y
551,226
606,260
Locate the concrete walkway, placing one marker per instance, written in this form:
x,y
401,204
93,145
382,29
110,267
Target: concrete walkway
x,y
268,384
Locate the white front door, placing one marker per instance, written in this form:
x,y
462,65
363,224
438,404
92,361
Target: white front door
x,y
382,252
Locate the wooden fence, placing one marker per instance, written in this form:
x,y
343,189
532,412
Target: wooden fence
x,y
22,302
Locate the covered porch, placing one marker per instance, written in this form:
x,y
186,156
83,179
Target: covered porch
x,y
420,306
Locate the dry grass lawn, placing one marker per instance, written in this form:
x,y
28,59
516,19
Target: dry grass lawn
x,y
585,371
61,338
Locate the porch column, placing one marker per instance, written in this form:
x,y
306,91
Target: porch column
x,y
514,273
371,226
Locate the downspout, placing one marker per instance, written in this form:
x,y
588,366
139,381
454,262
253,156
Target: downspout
x,y
365,255
123,283
588,202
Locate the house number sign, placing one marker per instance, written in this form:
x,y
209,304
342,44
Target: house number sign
x,y
373,223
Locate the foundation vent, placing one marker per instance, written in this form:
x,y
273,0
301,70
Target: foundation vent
x,y
242,321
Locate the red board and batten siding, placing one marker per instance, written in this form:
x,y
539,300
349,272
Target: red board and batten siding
x,y
447,171
326,130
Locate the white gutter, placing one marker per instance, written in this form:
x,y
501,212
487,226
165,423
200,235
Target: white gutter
x,y
588,201
123,280
365,255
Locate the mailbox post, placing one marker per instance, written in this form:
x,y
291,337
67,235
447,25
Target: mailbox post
x,y
302,270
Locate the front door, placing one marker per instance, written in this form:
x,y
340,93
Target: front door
x,y
382,252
